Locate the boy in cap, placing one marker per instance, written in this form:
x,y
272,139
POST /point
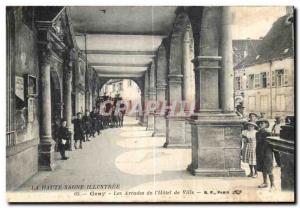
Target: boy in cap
x,y
63,138
264,154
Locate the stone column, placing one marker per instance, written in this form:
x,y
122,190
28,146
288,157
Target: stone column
x,y
46,146
186,66
227,74
216,141
68,98
87,89
146,98
175,135
152,96
161,86
141,113
188,79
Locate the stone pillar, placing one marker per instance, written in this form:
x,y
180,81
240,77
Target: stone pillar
x,y
227,74
152,97
161,85
68,98
87,89
146,98
175,135
216,141
188,79
46,146
186,67
141,113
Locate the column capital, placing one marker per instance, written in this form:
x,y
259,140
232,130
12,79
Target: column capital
x,y
207,62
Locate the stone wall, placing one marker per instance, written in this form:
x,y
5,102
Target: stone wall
x,y
21,158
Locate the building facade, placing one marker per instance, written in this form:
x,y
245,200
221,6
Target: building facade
x,y
264,79
48,79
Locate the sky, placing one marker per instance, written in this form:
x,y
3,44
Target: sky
x,y
254,22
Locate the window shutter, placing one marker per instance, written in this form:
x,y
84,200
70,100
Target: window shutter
x,y
268,79
286,79
273,78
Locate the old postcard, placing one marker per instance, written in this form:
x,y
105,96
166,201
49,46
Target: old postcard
x,y
150,104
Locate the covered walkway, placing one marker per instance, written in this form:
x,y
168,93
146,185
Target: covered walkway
x,y
131,157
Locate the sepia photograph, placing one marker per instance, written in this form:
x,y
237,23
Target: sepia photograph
x,y
150,104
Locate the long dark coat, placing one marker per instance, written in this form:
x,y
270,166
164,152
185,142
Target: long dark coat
x,y
87,124
63,133
78,129
264,152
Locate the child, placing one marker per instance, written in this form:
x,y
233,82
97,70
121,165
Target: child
x,y
249,151
63,139
264,154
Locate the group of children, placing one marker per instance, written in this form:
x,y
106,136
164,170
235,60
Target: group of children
x,y
256,151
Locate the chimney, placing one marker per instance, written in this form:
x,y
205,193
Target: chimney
x,y
289,10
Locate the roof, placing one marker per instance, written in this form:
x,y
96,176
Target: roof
x,y
242,47
278,43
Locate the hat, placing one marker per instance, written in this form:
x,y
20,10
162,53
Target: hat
x,y
251,123
263,120
277,117
253,114
78,113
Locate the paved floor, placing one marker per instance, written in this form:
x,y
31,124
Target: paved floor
x,y
130,157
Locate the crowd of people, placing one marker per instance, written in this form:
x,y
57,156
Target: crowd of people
x,y
256,151
107,113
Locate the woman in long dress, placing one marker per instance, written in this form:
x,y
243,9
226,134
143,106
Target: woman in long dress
x,y
249,150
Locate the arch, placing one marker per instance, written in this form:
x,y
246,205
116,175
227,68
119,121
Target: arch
x,y
182,23
206,35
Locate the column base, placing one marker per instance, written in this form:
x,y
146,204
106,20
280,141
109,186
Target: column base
x,y
182,146
216,145
157,134
175,133
217,172
46,156
159,126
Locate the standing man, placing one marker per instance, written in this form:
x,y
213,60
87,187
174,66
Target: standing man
x,y
63,135
87,123
78,131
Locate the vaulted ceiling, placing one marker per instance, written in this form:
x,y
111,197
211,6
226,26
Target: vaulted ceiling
x,y
121,41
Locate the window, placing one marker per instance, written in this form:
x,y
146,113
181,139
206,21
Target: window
x,y
129,83
279,76
121,86
251,81
237,83
263,80
256,81
114,87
